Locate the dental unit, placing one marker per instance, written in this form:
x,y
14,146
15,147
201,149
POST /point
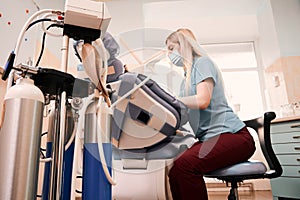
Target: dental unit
x,y
104,132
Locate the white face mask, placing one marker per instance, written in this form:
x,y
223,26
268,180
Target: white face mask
x,y
176,58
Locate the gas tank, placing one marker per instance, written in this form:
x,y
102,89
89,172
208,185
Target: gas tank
x,y
20,138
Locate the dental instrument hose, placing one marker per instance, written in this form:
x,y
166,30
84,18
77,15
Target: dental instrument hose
x,y
100,147
91,56
100,107
22,33
28,22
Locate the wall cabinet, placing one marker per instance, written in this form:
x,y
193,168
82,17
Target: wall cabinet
x,y
285,135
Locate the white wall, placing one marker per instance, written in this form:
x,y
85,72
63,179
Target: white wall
x,y
279,30
268,40
212,21
126,15
287,23
14,11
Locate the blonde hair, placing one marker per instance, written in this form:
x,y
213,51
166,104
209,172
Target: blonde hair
x,y
189,47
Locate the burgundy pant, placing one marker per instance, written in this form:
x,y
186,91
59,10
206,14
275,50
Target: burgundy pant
x,y
186,175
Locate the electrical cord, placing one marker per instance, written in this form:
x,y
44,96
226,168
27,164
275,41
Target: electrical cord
x,y
45,29
43,42
45,133
37,21
78,191
42,50
75,44
43,149
42,154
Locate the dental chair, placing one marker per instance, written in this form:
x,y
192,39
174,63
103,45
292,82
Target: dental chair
x,y
239,172
145,137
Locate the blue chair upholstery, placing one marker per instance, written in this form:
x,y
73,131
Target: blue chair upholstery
x,y
252,169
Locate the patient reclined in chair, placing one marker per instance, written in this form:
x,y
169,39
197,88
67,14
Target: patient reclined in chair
x,y
147,115
144,125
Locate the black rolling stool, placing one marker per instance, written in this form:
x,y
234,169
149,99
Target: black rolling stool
x,y
252,169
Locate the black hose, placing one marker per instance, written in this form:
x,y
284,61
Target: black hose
x,y
37,21
43,42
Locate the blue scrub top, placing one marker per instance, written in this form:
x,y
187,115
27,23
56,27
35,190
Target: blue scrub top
x,y
218,117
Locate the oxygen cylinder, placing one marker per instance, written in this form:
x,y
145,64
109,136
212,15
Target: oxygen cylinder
x,y
20,138
95,184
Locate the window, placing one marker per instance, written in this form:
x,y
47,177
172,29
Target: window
x,y
241,74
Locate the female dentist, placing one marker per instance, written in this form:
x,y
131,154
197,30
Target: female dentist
x,y
223,139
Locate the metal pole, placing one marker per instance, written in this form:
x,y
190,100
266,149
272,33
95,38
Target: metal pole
x,y
59,141
61,145
65,51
